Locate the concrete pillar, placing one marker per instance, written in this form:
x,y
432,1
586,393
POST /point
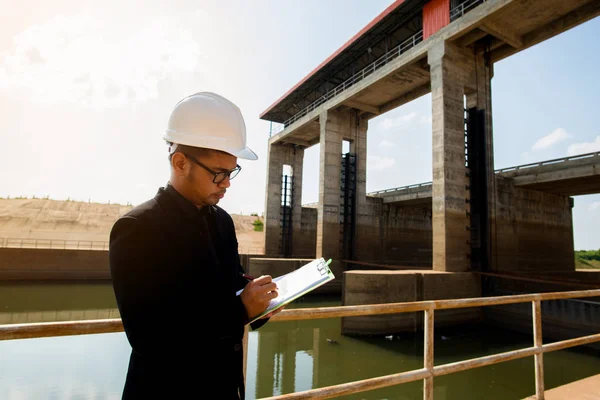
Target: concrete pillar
x,y
278,156
479,95
357,136
333,125
358,146
450,69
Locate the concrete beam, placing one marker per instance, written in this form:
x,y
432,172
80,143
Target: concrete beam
x,y
471,37
362,106
406,98
503,34
296,141
576,17
473,18
424,70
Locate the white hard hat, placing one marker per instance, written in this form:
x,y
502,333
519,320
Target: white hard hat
x,y
211,121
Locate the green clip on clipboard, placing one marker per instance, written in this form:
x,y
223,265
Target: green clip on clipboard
x,y
297,283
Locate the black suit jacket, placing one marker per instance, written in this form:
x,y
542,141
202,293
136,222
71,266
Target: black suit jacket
x,y
175,290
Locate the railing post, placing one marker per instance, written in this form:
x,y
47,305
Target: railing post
x,y
428,355
537,343
245,350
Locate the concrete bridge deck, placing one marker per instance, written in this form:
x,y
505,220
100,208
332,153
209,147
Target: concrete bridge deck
x,y
403,74
568,176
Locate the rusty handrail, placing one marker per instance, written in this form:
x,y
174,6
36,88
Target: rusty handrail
x,y
74,244
427,373
53,244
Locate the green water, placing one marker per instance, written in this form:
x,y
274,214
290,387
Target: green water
x,y
283,357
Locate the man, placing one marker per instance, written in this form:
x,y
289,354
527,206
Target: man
x,y
175,265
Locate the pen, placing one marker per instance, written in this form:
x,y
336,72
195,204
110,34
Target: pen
x,y
248,277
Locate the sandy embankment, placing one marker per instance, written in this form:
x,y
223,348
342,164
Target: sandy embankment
x,y
59,220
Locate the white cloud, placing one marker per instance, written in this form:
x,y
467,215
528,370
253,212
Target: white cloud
x,y
376,163
557,135
582,148
386,143
399,122
595,206
77,59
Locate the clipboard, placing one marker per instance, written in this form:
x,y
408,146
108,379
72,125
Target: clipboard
x,y
297,283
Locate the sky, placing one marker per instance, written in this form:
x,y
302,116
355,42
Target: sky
x,y
86,89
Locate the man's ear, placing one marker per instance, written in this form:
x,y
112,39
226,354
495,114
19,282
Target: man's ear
x,y
179,163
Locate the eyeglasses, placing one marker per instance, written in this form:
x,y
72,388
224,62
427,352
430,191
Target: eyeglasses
x,y
218,177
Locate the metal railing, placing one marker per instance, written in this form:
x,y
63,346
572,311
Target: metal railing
x,y
463,8
59,244
550,162
410,188
52,315
409,43
251,250
426,374
420,186
359,76
31,243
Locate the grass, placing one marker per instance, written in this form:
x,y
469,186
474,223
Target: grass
x,y
586,264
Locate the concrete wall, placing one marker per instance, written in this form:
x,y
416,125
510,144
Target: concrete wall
x,y
379,287
534,230
57,265
305,238
369,232
407,236
388,233
46,264
561,319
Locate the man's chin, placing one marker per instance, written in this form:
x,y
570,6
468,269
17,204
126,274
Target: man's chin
x,y
214,200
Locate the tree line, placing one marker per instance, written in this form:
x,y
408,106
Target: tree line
x,y
588,254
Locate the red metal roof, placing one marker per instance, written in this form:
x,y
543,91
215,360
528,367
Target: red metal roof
x,y
374,22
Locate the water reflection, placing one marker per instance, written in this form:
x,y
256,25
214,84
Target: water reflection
x,y
24,302
283,357
286,357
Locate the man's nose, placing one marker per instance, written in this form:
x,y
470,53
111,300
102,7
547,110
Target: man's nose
x,y
225,183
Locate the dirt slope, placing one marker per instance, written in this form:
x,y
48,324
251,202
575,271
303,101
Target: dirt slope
x,y
72,220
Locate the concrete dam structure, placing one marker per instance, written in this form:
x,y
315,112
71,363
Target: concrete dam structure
x,y
447,238
472,231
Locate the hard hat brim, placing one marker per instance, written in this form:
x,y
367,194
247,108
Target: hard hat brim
x,y
246,154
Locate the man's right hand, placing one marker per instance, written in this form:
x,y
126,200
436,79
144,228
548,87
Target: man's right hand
x,y
257,295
